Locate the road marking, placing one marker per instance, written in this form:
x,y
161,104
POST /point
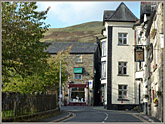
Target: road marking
x,y
106,116
102,112
74,115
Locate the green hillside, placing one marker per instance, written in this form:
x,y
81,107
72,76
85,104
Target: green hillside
x,y
85,32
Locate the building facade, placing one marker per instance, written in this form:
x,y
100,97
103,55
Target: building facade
x,y
81,87
117,60
149,73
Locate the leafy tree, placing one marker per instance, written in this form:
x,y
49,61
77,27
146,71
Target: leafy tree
x,y
53,70
41,82
26,68
22,29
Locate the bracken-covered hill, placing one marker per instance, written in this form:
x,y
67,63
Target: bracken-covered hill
x,y
85,32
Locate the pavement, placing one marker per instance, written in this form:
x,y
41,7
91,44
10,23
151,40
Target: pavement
x,y
60,117
64,115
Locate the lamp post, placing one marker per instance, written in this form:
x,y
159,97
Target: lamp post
x,y
60,89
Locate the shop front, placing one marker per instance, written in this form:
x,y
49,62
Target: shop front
x,y
78,94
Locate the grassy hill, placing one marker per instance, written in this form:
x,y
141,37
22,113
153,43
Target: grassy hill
x,y
85,32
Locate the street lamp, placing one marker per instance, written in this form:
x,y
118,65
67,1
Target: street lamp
x,y
60,89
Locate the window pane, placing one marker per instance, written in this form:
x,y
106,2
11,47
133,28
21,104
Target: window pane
x,y
124,41
120,40
78,96
103,70
124,35
125,87
81,89
78,76
78,58
120,92
74,89
125,93
120,70
125,70
120,34
120,86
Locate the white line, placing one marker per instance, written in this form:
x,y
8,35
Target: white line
x,y
106,116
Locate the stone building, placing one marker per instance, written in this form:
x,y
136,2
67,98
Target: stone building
x,y
117,60
149,73
82,87
156,65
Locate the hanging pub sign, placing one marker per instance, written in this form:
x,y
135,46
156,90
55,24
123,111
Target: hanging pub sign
x,y
139,54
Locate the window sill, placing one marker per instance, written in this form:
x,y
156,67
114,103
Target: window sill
x,y
122,99
78,62
103,56
103,78
122,44
122,75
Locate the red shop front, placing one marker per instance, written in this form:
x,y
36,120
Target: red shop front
x,y
78,94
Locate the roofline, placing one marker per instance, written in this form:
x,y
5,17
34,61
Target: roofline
x,y
74,53
118,21
117,10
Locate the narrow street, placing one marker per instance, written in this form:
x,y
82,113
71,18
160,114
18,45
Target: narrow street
x,y
98,114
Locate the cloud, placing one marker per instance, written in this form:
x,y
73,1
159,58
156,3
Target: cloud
x,y
74,12
77,12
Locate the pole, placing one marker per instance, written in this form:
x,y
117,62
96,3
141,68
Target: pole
x,y
60,89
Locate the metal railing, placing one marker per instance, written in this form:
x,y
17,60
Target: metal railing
x,y
15,104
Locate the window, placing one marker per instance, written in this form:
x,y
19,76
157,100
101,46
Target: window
x,y
78,76
77,94
103,70
122,91
122,38
78,58
103,48
122,68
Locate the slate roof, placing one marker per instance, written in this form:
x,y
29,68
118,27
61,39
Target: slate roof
x,y
122,14
146,8
77,47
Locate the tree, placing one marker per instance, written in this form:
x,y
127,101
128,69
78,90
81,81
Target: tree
x,y
41,82
22,29
51,76
26,68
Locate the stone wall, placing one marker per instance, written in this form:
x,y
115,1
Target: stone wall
x,y
156,66
87,65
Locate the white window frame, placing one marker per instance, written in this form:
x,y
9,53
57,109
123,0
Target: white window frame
x,y
103,48
124,88
103,69
122,66
122,37
78,75
78,59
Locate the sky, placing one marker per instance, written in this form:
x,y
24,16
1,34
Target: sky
x,y
64,14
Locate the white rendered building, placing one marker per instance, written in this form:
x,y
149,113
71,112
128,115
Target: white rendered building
x,y
117,62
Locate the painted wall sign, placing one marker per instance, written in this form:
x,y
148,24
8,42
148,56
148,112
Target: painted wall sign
x,y
78,70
